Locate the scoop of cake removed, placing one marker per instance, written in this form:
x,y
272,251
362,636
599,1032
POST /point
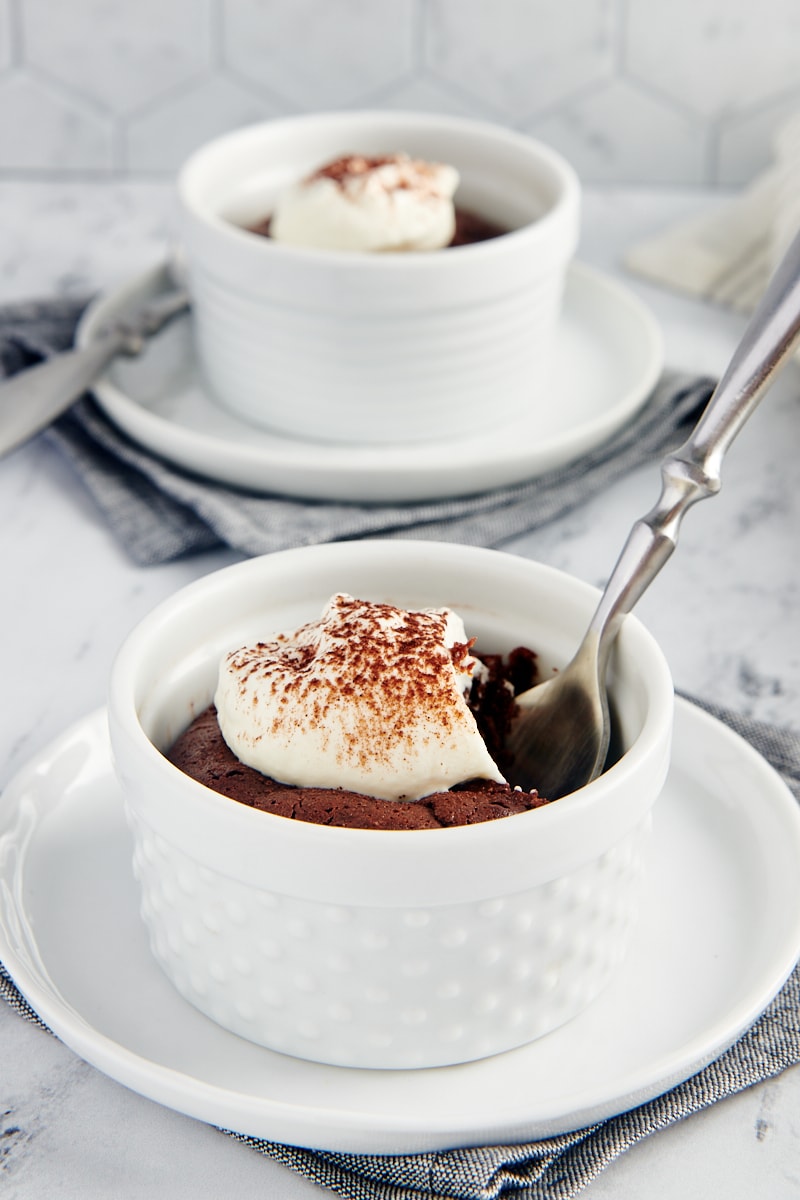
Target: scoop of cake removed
x,y
370,203
369,698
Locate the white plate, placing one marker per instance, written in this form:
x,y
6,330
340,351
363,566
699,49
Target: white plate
x,y
718,935
608,357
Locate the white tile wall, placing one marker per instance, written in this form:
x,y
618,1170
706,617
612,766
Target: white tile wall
x,y
650,91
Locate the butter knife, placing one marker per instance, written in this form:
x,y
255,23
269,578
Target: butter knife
x,y
32,399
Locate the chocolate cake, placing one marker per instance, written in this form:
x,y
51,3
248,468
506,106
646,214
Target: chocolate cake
x,y
201,752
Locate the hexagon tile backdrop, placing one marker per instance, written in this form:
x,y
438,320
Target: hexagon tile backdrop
x,y
633,91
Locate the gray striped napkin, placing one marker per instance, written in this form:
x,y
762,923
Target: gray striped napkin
x,y
159,512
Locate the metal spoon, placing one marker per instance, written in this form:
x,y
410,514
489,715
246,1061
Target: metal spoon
x,y
32,399
560,737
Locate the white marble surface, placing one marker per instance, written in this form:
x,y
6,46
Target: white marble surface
x,y
725,611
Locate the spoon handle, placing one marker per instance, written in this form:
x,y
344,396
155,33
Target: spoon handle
x,y
692,472
32,399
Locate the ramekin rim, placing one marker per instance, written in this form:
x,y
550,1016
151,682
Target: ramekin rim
x,y
563,212
122,709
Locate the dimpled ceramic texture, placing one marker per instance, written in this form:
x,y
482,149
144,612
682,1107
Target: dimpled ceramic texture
x,y
383,949
377,348
395,987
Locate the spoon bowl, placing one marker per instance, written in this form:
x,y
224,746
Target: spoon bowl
x,y
561,736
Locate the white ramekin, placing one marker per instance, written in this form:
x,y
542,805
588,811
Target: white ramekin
x,y
375,948
377,348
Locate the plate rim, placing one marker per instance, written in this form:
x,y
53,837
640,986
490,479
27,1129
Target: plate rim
x,y
378,474
398,1132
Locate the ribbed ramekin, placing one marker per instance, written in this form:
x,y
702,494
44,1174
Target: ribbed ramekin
x,y
377,348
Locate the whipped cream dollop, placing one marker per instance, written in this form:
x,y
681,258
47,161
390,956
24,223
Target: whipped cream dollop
x,y
370,698
392,202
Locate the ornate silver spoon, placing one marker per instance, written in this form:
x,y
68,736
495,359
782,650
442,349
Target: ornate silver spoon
x,y
560,736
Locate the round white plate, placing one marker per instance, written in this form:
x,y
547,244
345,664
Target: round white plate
x,y
718,935
608,356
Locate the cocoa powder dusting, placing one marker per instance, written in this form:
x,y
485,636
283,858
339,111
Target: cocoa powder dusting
x,y
352,169
350,165
411,676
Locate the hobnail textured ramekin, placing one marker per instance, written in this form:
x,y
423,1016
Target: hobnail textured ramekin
x,y
377,348
374,948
